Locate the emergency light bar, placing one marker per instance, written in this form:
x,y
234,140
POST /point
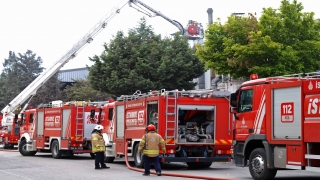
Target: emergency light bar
x,y
253,76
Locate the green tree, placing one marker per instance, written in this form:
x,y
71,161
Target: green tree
x,y
21,70
18,72
144,61
81,90
284,41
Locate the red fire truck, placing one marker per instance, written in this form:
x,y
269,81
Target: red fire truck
x,y
195,124
59,128
9,133
277,122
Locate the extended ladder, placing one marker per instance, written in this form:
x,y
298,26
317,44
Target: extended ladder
x,y
79,120
171,116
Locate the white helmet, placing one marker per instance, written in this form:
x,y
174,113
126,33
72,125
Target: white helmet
x,y
98,127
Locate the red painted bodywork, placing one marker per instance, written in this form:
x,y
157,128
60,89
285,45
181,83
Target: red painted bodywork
x,y
9,139
259,120
136,118
70,137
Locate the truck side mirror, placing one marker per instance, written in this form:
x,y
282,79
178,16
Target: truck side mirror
x,y
92,114
233,110
233,99
235,116
16,117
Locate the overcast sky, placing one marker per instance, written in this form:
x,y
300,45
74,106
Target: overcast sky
x,y
50,28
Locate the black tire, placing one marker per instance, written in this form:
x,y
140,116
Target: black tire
x,y
138,160
56,153
93,155
193,165
206,164
23,149
108,159
258,165
6,146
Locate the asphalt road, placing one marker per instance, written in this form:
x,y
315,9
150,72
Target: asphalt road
x,y
42,166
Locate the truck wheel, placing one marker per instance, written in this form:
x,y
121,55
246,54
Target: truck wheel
x,y
108,159
23,149
56,153
206,164
138,160
258,165
6,146
193,165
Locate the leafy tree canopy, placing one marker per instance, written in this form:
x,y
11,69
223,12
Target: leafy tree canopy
x,y
19,71
283,41
81,90
144,61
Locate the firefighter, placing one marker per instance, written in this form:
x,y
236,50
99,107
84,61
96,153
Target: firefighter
x,y
149,146
98,147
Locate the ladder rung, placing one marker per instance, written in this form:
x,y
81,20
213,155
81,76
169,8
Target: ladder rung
x,y
171,103
169,137
170,114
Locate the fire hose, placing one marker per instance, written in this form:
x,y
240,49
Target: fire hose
x,y
171,174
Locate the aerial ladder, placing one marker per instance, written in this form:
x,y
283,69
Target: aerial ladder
x,y
12,108
31,89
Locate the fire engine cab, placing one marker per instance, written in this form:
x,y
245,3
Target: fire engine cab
x,y
9,132
194,124
277,122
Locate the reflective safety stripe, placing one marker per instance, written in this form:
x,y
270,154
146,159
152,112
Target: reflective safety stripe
x,y
145,151
170,141
223,142
98,149
94,139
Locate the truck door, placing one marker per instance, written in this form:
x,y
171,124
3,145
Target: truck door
x,y
109,123
120,129
246,113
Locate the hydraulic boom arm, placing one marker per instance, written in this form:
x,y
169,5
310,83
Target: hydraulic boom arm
x,y
32,88
176,23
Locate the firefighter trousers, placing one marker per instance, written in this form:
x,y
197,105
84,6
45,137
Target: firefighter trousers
x,y
99,160
147,162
